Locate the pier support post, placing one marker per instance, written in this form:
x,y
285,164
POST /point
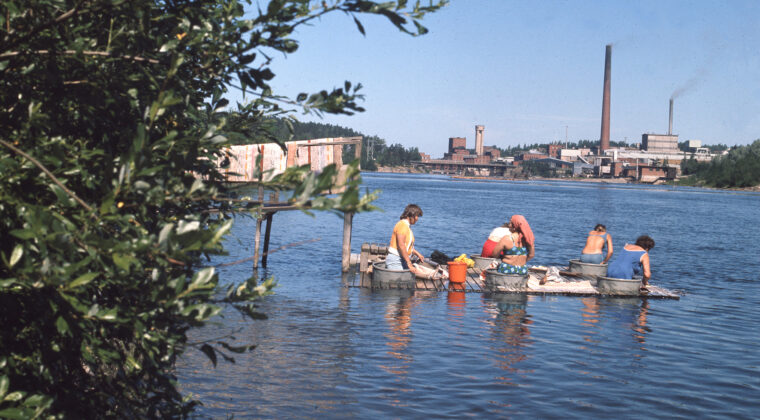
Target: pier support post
x,y
348,218
266,240
257,243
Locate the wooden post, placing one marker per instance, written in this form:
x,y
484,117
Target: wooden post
x,y
358,152
266,240
364,258
347,221
257,242
257,238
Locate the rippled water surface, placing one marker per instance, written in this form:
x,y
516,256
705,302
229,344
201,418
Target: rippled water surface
x,y
328,351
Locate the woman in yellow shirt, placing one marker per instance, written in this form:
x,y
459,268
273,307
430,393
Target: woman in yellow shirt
x,y
401,247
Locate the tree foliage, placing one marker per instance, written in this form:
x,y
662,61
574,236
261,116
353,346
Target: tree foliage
x,y
113,114
739,168
713,148
375,150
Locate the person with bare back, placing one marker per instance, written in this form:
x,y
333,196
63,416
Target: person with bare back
x,y
595,242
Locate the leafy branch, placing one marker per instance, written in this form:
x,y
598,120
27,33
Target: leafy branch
x,y
49,174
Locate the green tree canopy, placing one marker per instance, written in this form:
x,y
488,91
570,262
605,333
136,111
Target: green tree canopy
x,y
739,168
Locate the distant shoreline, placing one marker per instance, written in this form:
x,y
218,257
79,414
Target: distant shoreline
x,y
409,170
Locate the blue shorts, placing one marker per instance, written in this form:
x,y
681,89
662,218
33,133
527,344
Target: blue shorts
x,y
394,262
592,258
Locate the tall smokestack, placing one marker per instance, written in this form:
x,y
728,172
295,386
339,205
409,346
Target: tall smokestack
x,y
604,138
670,118
479,140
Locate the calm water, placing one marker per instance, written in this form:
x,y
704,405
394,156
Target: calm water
x,y
328,351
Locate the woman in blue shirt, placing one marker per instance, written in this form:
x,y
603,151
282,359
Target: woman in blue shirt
x,y
634,260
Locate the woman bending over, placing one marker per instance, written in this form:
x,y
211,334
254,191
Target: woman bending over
x,y
634,260
595,242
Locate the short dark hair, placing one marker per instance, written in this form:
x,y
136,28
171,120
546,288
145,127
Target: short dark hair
x,y
411,210
645,242
600,228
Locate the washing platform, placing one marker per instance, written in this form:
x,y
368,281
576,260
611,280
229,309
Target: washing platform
x,y
474,284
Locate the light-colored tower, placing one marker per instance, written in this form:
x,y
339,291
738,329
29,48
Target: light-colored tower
x,y
479,140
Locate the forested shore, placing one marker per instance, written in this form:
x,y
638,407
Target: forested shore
x,y
740,168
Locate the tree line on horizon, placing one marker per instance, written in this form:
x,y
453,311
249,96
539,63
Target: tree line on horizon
x,y
739,168
375,150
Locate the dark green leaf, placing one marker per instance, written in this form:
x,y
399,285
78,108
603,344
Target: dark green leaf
x,y
359,26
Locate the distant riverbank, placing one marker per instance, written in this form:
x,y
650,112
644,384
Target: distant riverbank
x,y
411,170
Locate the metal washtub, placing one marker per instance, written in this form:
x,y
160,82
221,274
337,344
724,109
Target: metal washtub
x,y
481,263
500,282
588,271
384,278
622,287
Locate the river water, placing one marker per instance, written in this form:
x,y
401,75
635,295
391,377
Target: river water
x,y
328,351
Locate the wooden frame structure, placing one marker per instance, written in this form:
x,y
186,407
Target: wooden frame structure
x,y
317,153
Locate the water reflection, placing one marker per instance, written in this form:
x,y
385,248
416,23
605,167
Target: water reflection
x,y
630,313
640,328
457,302
398,316
590,318
509,321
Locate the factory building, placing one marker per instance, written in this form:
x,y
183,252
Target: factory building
x,y
657,158
457,143
660,143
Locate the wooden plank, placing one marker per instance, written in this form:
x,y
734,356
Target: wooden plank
x,y
358,152
266,209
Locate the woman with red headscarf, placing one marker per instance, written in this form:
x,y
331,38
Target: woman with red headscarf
x,y
517,248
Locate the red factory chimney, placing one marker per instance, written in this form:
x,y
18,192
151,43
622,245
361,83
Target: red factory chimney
x,y
604,139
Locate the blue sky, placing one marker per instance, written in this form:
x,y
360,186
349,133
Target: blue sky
x,y
528,71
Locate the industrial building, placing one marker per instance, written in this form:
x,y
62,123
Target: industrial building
x,y
657,159
458,160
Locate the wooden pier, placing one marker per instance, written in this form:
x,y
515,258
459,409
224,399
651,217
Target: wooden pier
x,y
362,277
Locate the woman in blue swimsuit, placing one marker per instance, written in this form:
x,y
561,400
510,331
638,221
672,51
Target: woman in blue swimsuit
x,y
516,248
634,260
